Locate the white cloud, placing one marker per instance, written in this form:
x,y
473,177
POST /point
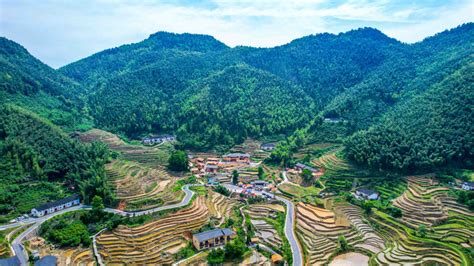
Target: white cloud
x,y
60,32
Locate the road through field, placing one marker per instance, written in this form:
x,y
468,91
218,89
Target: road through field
x,y
289,221
19,249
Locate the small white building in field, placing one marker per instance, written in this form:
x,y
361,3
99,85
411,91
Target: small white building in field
x,y
158,139
368,194
468,186
55,206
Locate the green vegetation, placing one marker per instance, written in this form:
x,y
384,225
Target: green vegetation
x,y
69,235
210,94
279,225
235,177
307,175
26,82
184,181
40,162
419,134
178,161
466,198
185,252
222,190
76,228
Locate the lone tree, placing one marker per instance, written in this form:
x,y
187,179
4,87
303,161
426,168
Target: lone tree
x,y
343,245
260,172
422,230
97,207
178,161
235,177
306,175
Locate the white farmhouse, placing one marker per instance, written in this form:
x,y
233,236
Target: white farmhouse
x,y
55,206
368,194
468,186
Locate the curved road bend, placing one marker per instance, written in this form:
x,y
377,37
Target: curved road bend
x,y
289,222
20,252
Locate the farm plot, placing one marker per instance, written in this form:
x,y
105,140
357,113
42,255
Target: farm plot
x,y
422,202
4,252
70,257
319,230
404,247
450,227
265,231
140,187
149,156
334,165
220,207
370,240
153,243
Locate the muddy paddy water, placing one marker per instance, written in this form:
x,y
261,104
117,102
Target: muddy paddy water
x,y
349,259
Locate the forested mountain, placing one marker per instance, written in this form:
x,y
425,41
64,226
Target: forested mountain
x,y
161,49
324,65
165,83
27,82
404,75
241,101
40,162
432,129
210,94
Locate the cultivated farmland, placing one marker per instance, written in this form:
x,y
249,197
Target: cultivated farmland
x,y
154,242
141,187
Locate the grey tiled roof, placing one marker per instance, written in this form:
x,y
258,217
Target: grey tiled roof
x,y
367,191
12,261
237,155
57,203
213,234
47,261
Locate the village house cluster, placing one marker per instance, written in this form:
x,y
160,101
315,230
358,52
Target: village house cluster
x,y
212,165
299,167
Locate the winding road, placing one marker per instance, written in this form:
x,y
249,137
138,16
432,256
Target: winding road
x,y
289,221
290,234
17,245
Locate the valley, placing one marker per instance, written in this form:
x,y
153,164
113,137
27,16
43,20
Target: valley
x,y
333,149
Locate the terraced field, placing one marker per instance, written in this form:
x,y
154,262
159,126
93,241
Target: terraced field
x,y
141,187
220,207
5,238
450,227
333,165
71,256
426,203
153,243
265,231
369,239
152,157
318,230
4,252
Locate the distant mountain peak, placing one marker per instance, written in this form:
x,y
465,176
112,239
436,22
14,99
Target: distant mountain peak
x,y
366,32
184,41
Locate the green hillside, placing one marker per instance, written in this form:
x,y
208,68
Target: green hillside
x,y
164,83
40,162
431,129
27,82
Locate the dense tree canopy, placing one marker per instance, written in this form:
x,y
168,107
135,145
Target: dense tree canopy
x,y
430,130
34,152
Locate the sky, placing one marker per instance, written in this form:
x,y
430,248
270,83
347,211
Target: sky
x,y
61,32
